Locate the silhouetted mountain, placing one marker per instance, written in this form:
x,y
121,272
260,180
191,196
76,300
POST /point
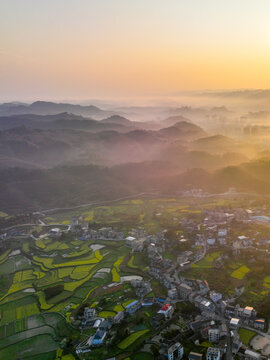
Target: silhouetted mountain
x,y
184,130
58,121
34,189
49,147
50,108
220,144
116,119
216,143
170,121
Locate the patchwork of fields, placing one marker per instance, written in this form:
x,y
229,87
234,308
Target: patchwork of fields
x,y
32,323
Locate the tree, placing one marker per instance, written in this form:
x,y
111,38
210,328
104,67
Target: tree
x,y
154,350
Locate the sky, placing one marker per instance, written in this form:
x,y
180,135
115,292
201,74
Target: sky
x,y
79,49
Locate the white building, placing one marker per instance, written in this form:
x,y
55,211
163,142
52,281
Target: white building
x,y
259,324
55,232
176,351
214,335
173,293
130,240
234,323
211,241
215,296
252,355
213,354
166,310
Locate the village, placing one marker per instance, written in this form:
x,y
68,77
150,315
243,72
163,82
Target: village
x,y
164,305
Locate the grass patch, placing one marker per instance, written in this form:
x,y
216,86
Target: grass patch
x,y
106,314
131,263
246,335
131,339
118,308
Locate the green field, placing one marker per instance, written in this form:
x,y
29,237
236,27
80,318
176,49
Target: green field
x,y
208,261
246,335
68,262
240,272
32,324
131,339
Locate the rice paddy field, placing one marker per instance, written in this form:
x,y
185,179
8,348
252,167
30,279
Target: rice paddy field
x,y
32,324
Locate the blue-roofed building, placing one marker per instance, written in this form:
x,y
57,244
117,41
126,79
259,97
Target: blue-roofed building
x,y
148,301
98,338
133,307
161,300
260,218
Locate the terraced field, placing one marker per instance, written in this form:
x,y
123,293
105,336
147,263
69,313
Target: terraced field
x,y
30,321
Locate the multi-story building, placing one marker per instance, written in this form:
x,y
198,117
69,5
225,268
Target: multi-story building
x,y
184,290
213,354
214,335
234,323
252,355
176,351
133,307
172,293
215,296
194,356
259,324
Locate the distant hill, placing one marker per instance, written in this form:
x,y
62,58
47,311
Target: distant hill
x,y
35,189
62,144
184,130
51,108
216,143
116,119
220,144
170,121
59,121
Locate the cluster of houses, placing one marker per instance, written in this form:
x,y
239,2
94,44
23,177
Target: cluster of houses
x,y
141,287
243,316
104,233
176,352
90,320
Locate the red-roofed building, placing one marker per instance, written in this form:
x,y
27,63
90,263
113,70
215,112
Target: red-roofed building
x,y
166,310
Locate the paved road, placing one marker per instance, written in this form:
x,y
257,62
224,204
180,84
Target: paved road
x,y
229,342
100,202
46,211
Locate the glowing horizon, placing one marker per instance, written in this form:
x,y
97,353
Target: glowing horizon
x,y
85,48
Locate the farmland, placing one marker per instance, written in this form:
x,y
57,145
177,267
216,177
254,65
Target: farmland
x,y
44,263
47,278
240,272
131,339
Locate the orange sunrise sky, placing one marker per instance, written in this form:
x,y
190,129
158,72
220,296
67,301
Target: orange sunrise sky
x,y
105,48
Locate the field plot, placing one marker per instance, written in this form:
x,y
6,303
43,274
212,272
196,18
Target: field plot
x,y
116,269
30,326
14,263
15,310
36,329
131,339
208,261
106,314
34,346
240,272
